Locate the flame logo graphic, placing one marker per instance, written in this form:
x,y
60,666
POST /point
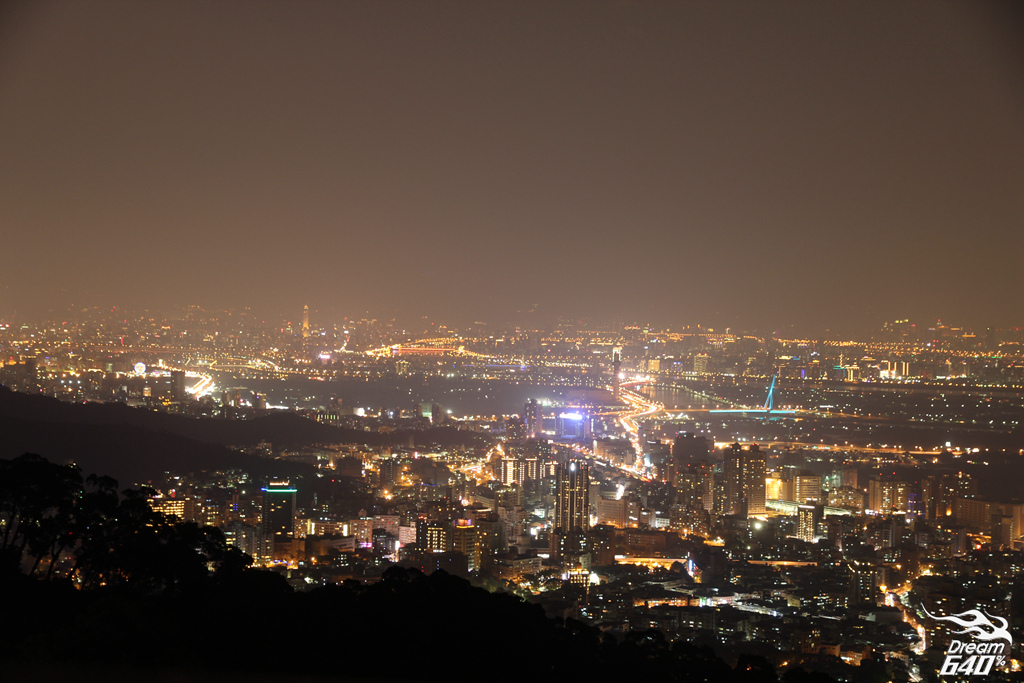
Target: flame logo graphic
x,y
979,625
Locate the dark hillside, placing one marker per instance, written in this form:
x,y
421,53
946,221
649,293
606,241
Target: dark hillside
x,y
134,444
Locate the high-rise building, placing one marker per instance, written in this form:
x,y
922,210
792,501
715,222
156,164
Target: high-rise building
x,y
511,471
390,472
531,469
694,485
384,543
612,512
538,448
616,370
464,541
573,425
515,430
277,516
601,541
434,537
689,447
534,419
807,488
848,477
305,321
808,517
700,363
171,507
243,536
718,489
490,539
362,529
887,494
951,488
389,523
846,497
178,385
863,582
573,497
510,496
549,469
744,481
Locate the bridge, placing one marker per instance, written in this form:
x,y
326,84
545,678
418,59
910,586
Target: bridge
x,y
767,410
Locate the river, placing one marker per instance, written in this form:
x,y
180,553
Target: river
x,y
461,396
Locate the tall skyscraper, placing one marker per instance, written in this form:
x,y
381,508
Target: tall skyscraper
x,y
616,369
745,470
178,385
305,321
278,516
573,499
534,419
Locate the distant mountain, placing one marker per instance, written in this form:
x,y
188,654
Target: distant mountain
x,y
136,445
286,429
130,454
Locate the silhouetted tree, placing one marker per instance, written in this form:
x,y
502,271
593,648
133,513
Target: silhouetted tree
x,y
139,548
158,566
47,513
37,505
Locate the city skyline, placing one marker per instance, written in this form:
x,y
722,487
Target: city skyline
x,y
793,167
330,323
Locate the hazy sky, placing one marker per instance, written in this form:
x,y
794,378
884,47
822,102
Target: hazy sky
x,y
760,164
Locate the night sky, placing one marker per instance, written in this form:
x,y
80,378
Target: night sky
x,y
778,166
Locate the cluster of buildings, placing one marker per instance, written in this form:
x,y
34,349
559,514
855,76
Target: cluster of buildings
x,y
816,558
733,546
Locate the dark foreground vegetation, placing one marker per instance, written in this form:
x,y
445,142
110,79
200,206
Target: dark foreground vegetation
x,y
96,586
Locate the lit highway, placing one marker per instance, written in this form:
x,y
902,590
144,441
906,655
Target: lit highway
x,y
203,387
639,407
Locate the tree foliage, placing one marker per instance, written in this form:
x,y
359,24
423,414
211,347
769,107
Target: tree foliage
x,y
55,524
132,563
